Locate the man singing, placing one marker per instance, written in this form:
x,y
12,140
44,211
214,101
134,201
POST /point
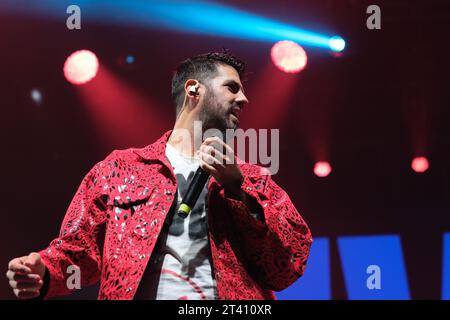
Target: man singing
x,y
243,238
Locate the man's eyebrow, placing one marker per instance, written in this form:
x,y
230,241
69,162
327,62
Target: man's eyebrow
x,y
233,82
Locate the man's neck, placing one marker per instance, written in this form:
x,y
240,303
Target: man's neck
x,y
182,137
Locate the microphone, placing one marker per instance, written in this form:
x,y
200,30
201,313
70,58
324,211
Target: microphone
x,y
193,192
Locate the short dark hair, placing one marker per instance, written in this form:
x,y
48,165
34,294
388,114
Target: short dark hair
x,y
202,67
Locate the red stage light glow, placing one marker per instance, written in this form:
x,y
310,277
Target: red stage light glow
x,y
81,67
288,56
420,164
322,169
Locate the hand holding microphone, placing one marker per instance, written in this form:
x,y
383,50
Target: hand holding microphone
x,y
216,159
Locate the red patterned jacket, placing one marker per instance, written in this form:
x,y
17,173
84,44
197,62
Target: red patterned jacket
x,y
115,217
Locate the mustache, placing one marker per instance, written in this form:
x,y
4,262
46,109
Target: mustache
x,y
235,105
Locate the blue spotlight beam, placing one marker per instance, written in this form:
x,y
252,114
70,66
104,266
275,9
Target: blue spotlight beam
x,y
198,17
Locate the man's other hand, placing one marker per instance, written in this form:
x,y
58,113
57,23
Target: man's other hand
x,y
26,275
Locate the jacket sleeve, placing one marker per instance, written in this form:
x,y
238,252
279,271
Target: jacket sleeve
x,y
79,241
277,247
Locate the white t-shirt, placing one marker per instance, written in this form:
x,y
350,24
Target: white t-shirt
x,y
180,267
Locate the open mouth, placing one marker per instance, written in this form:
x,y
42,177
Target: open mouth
x,y
235,112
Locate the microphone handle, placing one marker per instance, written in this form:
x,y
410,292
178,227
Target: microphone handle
x,y
193,192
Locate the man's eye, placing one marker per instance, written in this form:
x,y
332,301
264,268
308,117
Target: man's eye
x,y
233,88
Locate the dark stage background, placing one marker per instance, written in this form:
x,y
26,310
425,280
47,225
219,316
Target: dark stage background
x,y
369,112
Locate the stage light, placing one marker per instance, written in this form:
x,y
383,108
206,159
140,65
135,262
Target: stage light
x,y
336,43
322,169
288,56
186,16
36,96
129,59
81,67
420,164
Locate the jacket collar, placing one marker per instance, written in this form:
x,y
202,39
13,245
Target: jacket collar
x,y
156,150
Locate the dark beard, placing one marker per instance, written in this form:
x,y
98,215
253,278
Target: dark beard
x,y
214,116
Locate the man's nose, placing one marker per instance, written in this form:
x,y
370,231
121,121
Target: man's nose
x,y
242,99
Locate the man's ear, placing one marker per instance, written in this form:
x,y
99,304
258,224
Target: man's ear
x,y
191,87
